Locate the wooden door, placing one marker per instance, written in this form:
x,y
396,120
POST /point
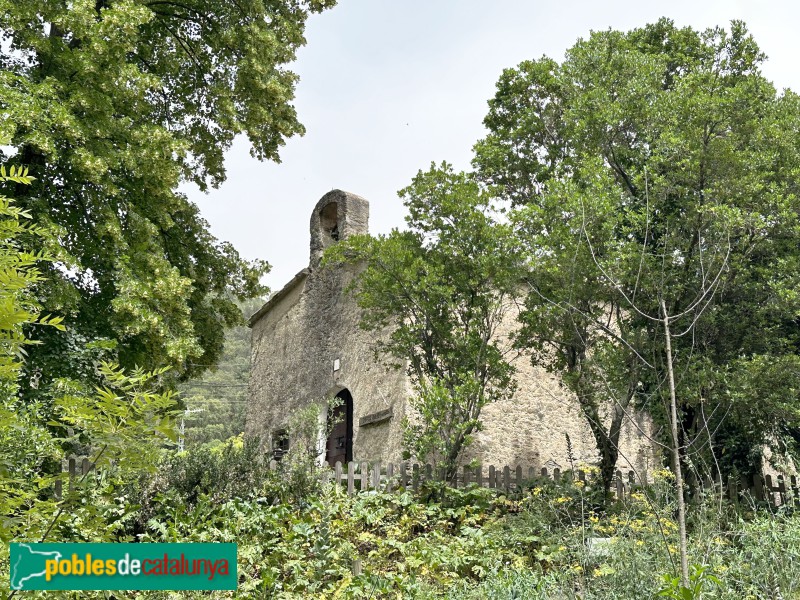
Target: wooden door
x,y
340,440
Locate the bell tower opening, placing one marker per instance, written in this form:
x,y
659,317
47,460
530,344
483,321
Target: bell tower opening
x,y
337,216
329,224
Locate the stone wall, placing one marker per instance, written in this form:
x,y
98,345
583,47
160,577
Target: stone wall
x,y
531,427
313,322
308,326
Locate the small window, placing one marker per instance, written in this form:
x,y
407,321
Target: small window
x,y
280,443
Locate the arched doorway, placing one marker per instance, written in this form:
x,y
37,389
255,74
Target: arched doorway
x,y
339,446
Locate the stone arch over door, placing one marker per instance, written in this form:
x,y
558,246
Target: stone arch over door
x,y
339,443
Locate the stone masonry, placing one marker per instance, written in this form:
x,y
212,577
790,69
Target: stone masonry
x,y
307,347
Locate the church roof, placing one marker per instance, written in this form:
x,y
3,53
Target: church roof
x,y
276,297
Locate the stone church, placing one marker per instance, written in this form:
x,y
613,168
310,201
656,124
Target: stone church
x,y
307,347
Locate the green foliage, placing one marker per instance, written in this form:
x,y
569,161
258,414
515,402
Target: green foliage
x,y
237,469
18,275
471,543
215,472
442,288
306,549
458,544
299,471
114,104
124,419
618,554
658,164
25,444
699,577
120,424
121,427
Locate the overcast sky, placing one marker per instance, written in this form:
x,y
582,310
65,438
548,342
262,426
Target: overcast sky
x,y
387,86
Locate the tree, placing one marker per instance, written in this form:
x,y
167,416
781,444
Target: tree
x,y
112,104
437,294
655,172
123,423
18,273
26,445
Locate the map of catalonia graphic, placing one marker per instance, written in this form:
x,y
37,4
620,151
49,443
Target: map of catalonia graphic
x,y
29,565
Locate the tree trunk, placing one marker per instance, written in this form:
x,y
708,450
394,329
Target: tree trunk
x,y
607,443
676,451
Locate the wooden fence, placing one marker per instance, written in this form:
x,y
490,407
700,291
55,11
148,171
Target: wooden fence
x,y
780,490
73,474
364,476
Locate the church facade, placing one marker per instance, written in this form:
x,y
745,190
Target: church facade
x,y
307,347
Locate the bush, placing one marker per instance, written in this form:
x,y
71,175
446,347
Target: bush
x,y
461,544
307,549
220,471
626,552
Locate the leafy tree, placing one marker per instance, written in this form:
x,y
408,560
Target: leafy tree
x,y
18,275
656,175
113,104
122,424
442,288
25,445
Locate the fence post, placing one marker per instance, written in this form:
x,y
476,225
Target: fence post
x,y
492,481
518,477
364,468
758,487
620,486
356,567
389,477
71,464
415,477
506,478
733,491
404,474
351,470
376,480
337,469
479,475
782,489
768,489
